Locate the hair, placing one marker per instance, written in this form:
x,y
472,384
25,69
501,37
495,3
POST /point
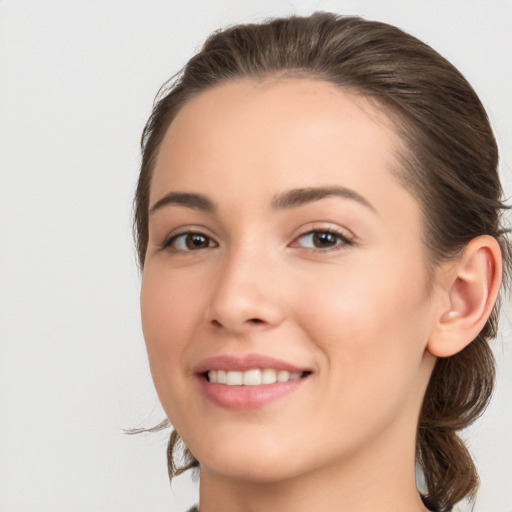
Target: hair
x,y
448,161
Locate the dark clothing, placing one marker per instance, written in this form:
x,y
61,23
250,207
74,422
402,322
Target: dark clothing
x,y
425,500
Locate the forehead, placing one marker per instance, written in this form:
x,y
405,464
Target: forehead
x,y
277,134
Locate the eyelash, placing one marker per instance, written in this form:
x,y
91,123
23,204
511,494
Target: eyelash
x,y
342,240
168,244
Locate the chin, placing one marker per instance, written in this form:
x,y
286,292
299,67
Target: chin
x,y
253,463
254,471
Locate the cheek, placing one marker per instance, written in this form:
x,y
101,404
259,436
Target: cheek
x,y
366,297
370,327
170,308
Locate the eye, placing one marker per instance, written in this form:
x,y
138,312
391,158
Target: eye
x,y
322,239
189,241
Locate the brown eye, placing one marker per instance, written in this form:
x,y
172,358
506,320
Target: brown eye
x,y
190,242
319,239
324,239
196,241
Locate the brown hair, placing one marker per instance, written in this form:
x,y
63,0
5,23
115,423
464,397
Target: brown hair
x,y
449,163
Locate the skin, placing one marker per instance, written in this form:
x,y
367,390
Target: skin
x,y
360,313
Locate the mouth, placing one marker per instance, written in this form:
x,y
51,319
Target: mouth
x,y
253,377
250,381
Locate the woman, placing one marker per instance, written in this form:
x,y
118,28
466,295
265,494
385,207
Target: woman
x,y
318,223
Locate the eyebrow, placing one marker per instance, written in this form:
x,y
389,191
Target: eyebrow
x,y
285,200
300,196
189,200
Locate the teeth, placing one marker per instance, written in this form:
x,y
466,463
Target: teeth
x,y
268,376
283,376
254,377
251,378
234,378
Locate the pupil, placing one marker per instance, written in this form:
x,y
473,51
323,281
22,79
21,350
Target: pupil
x,y
324,238
196,241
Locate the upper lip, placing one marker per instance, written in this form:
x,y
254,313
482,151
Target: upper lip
x,y
245,362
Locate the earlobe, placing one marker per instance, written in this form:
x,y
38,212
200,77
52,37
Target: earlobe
x,y
471,286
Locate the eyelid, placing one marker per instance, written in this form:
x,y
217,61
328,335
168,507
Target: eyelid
x,y
346,236
183,231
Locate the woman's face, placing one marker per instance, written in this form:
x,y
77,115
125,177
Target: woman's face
x,y
281,246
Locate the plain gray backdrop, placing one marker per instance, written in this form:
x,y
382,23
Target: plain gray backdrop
x,y
77,81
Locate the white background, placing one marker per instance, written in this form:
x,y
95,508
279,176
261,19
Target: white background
x,y
77,80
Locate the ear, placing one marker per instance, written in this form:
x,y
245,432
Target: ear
x,y
470,288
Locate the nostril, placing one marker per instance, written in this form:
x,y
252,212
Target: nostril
x,y
236,325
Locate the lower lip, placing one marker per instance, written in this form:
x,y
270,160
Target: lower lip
x,y
247,397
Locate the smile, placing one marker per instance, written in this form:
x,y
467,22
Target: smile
x,y
254,377
248,381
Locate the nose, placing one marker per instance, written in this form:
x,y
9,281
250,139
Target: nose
x,y
246,295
